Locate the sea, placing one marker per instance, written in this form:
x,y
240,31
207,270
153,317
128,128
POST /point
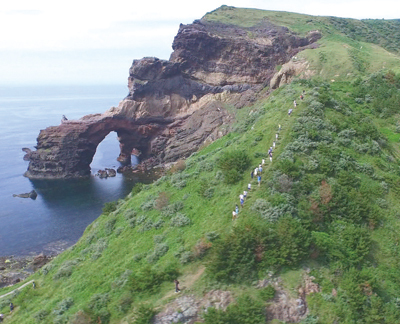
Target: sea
x,y
63,209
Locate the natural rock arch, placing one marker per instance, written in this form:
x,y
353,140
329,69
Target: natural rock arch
x,y
67,150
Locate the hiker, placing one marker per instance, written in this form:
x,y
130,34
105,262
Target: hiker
x,y
252,174
270,150
276,136
295,104
11,307
262,161
1,318
237,209
241,202
255,171
259,180
241,197
245,194
234,215
33,285
249,187
177,286
260,168
290,112
270,157
301,97
273,144
279,127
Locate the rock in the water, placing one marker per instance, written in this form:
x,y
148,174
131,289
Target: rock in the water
x,y
32,195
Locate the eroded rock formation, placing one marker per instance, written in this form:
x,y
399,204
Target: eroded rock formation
x,y
174,106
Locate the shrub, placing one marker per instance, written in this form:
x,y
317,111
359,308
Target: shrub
x,y
118,231
180,220
109,226
211,236
63,306
162,200
148,205
132,222
233,164
98,302
179,184
147,226
144,314
158,224
138,187
110,207
141,219
159,250
41,315
179,166
219,176
201,247
47,268
246,310
267,293
139,256
158,238
209,193
65,270
125,303
122,280
129,213
98,248
186,257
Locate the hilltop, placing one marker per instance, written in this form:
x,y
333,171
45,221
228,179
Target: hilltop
x,y
315,242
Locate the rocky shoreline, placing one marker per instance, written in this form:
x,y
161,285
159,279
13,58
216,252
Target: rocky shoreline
x,y
14,269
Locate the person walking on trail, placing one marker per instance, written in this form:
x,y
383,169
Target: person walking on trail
x,y
33,285
262,161
295,104
245,194
260,168
270,157
1,318
301,97
279,127
255,171
259,180
276,136
249,187
237,209
252,174
11,307
177,286
273,144
270,150
234,215
290,112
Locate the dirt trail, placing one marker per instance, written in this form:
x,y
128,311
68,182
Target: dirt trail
x,y
187,281
11,292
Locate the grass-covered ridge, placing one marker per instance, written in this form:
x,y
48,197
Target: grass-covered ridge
x,y
328,203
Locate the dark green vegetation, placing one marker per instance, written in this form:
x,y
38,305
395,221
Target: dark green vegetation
x,y
328,202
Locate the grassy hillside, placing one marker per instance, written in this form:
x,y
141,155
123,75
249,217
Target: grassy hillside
x,y
327,205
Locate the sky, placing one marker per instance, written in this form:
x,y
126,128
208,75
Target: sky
x,y
46,42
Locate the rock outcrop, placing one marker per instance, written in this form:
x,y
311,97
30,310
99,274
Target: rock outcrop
x,y
173,106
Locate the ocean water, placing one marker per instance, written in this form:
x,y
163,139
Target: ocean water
x,y
63,208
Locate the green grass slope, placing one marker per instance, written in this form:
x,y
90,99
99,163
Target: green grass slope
x,y
328,202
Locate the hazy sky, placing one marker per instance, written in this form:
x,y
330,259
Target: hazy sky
x,y
87,42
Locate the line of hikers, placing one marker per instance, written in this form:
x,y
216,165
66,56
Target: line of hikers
x,y
257,171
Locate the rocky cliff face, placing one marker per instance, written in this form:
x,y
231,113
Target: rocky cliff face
x,y
174,106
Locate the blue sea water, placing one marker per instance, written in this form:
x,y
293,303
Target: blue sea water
x,y
63,208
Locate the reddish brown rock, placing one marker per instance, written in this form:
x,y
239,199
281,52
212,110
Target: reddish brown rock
x,y
173,106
